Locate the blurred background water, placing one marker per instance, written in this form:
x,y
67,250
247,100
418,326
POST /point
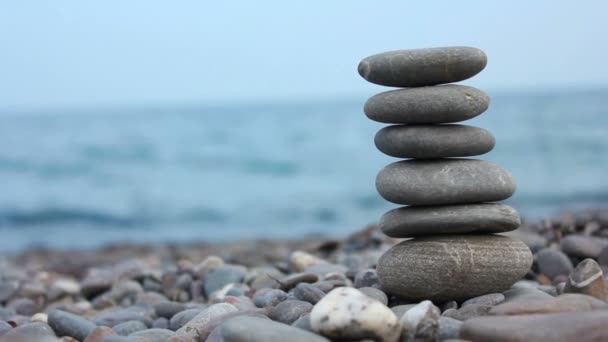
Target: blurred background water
x,y
89,177
148,120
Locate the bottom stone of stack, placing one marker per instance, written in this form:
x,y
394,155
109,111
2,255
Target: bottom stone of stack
x,y
453,267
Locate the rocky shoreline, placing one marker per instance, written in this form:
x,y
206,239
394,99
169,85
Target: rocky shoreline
x,y
307,290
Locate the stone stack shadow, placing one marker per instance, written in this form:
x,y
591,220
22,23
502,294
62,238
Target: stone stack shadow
x,y
450,209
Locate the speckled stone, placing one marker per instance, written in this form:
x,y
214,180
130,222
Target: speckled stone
x,y
427,105
453,267
449,219
420,67
347,313
434,141
444,181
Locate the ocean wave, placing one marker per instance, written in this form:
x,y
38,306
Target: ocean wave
x,y
68,216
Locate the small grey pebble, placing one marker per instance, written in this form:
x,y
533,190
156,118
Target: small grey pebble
x,y
168,309
448,328
129,327
68,324
468,311
290,281
23,306
4,327
181,318
399,310
223,276
449,305
161,323
6,313
488,299
30,332
308,293
268,297
289,311
366,278
303,322
375,293
153,335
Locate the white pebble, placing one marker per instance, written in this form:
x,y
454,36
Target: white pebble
x,y
347,313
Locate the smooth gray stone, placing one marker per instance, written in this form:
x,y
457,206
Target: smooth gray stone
x,y
303,323
553,263
269,297
161,322
420,67
4,327
449,219
112,317
566,326
289,311
181,318
222,276
153,335
257,329
169,309
444,181
452,267
6,313
30,332
308,293
375,293
399,310
488,299
427,105
67,324
129,327
365,278
434,141
448,328
582,246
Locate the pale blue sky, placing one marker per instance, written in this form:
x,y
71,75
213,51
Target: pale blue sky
x,y
78,53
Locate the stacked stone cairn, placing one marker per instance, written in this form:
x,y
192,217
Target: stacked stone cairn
x,y
450,211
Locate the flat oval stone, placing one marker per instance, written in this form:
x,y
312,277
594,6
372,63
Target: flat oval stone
x,y
453,267
444,181
450,219
423,67
427,105
434,141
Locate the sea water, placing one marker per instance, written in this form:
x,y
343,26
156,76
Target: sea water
x,y
88,177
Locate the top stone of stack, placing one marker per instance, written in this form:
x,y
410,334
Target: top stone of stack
x,y
423,67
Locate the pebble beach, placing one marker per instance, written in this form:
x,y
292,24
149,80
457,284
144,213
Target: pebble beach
x,y
301,290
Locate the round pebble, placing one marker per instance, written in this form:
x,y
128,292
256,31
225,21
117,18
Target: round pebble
x,y
366,278
420,67
553,263
308,293
269,297
453,267
449,219
67,324
455,181
375,293
433,141
427,105
289,311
